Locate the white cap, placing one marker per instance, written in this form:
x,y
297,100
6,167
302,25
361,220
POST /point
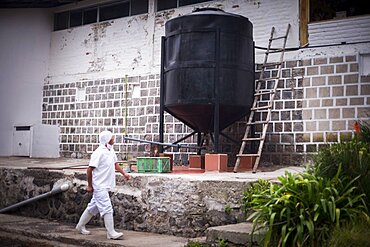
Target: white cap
x,y
105,136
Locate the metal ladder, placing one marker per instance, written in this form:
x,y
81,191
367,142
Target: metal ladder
x,y
259,103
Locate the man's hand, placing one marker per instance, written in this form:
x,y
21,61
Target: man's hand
x,y
128,177
90,189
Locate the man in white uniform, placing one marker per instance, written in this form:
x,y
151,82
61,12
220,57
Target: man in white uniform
x,y
101,178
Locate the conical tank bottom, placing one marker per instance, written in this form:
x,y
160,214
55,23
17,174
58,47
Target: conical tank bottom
x,y
201,117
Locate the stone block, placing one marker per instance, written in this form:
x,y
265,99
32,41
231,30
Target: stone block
x,y
324,125
341,102
329,69
311,93
306,82
352,90
305,62
339,125
363,112
334,80
348,113
311,126
216,162
357,101
197,161
332,137
336,60
314,103
341,68
345,136
318,137
327,102
365,78
337,91
318,81
317,61
311,148
334,113
365,89
353,67
324,92
351,78
320,114
235,234
350,58
290,64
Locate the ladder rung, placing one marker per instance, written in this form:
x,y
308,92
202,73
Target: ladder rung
x,y
279,37
252,139
264,93
268,79
261,107
271,64
275,51
247,155
258,122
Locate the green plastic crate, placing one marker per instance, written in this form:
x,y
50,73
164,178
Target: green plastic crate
x,y
153,164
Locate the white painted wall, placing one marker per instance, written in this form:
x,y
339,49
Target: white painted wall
x,y
348,30
24,54
131,45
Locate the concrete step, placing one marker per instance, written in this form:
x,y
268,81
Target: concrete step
x,y
22,231
234,234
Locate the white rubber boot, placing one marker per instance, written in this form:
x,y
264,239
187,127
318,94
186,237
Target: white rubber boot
x,y
109,225
85,218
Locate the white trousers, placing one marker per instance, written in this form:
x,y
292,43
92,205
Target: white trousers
x,y
100,203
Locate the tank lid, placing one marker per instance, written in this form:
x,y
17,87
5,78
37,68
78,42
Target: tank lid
x,y
211,11
207,9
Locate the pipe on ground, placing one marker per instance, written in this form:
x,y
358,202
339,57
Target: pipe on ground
x,y
62,188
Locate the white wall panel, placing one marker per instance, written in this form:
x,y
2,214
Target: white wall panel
x,y
24,53
349,30
131,45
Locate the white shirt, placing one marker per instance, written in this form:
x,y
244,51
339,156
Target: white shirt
x,y
103,176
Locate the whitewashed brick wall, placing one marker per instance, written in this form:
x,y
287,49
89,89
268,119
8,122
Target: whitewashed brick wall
x,y
320,94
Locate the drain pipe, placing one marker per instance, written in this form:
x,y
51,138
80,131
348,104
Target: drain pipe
x,y
62,188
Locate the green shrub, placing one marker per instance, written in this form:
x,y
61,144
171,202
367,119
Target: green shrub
x,y
303,209
354,234
353,157
193,244
364,134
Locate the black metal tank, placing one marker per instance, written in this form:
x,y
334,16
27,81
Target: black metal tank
x,y
208,68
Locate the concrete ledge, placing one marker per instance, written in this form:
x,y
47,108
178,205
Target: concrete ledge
x,y
27,230
235,234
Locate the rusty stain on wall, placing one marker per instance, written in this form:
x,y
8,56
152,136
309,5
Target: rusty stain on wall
x,y
94,41
164,16
63,43
136,60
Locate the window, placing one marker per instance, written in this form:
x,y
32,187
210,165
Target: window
x,y
90,16
333,9
166,4
106,12
75,18
139,7
61,20
170,4
114,11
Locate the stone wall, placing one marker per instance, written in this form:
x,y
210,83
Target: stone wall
x,y
317,102
153,203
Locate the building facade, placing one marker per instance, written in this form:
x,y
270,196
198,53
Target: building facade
x,y
88,77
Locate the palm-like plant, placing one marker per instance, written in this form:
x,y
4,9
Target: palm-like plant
x,y
304,208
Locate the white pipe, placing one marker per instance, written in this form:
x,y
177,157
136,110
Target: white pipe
x,y
62,188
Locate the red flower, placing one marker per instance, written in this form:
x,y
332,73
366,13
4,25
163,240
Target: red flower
x,y
357,128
